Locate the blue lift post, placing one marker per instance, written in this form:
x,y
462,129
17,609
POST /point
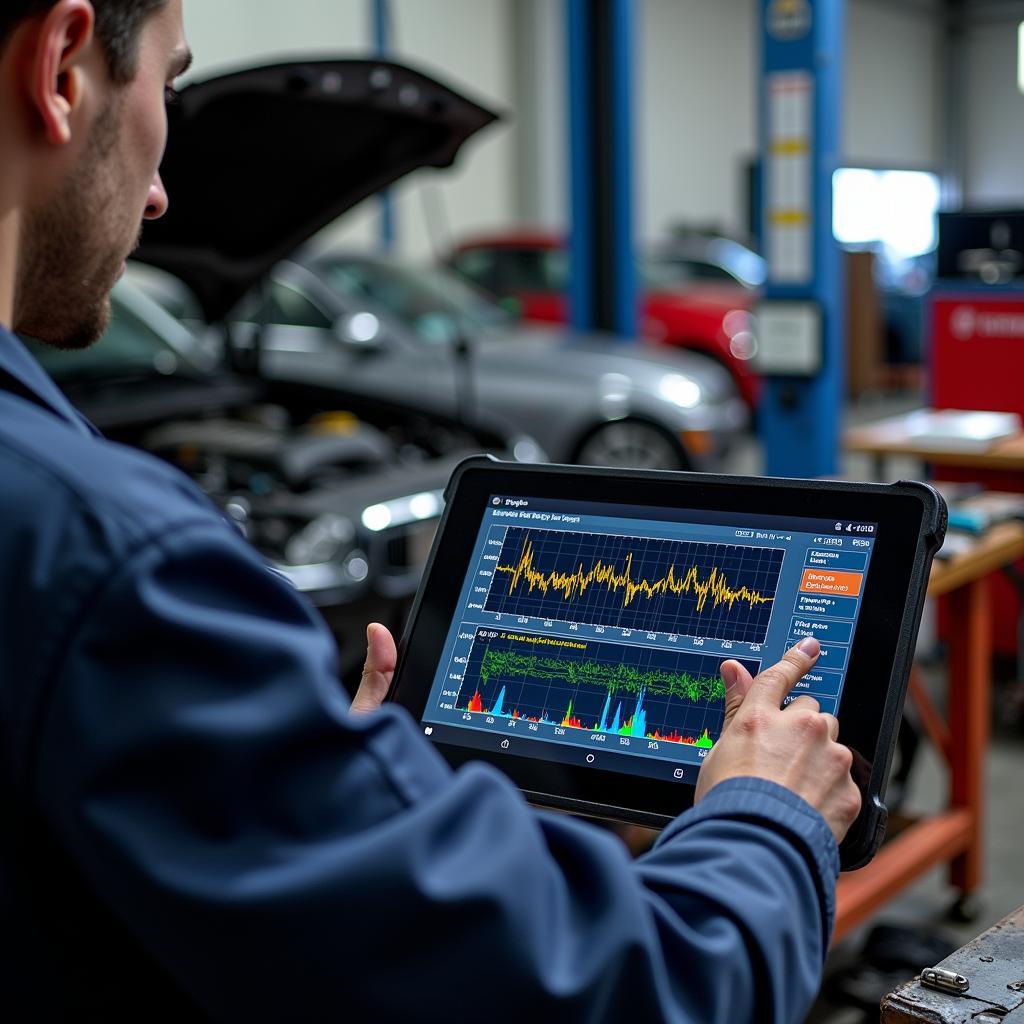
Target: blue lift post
x,y
602,267
382,46
802,403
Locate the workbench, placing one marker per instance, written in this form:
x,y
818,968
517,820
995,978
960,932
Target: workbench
x,y
982,983
890,437
955,834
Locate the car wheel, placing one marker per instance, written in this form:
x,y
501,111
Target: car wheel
x,y
632,444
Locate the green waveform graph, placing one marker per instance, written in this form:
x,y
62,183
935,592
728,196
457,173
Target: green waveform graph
x,y
615,677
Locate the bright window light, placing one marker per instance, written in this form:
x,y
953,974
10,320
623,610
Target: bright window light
x,y
856,213
896,209
1020,56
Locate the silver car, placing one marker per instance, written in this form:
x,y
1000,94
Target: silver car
x,y
423,337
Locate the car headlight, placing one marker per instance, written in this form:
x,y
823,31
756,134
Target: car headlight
x,y
401,511
525,449
680,390
325,539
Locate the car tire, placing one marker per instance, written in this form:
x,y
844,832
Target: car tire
x,y
632,444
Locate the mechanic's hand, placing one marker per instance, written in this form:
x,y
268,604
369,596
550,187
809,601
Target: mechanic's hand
x,y
381,655
795,746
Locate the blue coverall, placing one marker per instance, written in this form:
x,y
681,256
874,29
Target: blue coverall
x,y
196,828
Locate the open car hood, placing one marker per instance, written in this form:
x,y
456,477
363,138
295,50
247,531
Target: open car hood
x,y
260,160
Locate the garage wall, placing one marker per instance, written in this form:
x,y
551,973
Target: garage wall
x,y
696,78
463,42
540,111
227,32
891,102
697,64
994,118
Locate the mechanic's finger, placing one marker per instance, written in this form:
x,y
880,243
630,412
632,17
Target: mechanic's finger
x,y
803,703
737,683
381,655
772,685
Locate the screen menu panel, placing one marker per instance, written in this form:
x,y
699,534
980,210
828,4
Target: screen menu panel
x,y
594,634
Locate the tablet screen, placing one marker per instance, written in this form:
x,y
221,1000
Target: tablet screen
x,y
593,633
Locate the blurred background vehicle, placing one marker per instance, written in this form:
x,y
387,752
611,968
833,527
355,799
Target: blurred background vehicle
x,y
392,332
694,298
704,256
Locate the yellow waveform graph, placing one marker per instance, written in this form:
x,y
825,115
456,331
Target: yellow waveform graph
x,y
572,586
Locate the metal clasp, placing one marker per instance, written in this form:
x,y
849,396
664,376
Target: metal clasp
x,y
944,981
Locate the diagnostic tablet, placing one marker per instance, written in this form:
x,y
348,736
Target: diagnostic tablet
x,y
572,622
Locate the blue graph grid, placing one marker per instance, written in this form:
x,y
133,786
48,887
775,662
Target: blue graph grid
x,y
557,555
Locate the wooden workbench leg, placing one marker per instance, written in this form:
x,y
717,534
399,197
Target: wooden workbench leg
x,y
970,699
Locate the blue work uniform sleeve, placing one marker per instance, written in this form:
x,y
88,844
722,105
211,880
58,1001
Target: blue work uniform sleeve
x,y
285,860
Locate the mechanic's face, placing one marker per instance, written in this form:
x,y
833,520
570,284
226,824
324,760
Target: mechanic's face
x,y
75,244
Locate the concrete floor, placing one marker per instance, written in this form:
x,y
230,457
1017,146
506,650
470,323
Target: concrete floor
x,y
924,905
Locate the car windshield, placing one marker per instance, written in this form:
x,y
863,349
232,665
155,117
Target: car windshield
x,y
435,303
714,260
130,347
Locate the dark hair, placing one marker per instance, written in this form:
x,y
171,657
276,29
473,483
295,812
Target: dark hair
x,y
117,28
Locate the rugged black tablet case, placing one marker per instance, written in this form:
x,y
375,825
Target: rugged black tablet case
x,y
868,832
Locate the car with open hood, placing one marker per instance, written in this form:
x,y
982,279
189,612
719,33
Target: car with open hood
x,y
342,131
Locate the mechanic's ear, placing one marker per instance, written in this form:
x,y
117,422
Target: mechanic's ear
x,y
58,43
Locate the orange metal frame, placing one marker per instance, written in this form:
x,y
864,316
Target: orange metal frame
x,y
954,835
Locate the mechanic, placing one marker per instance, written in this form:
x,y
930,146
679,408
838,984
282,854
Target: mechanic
x,y
196,824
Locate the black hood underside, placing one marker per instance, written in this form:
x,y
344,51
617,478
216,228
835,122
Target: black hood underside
x,y
260,160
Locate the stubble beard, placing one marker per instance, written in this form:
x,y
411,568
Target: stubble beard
x,y
72,249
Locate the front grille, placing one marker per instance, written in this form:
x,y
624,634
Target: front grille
x,y
407,547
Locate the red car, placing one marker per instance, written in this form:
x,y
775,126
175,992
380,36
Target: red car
x,y
529,271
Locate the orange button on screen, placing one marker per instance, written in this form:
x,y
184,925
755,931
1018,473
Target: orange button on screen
x,y
817,581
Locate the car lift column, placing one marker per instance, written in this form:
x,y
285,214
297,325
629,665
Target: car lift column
x,y
801,322
382,45
602,269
